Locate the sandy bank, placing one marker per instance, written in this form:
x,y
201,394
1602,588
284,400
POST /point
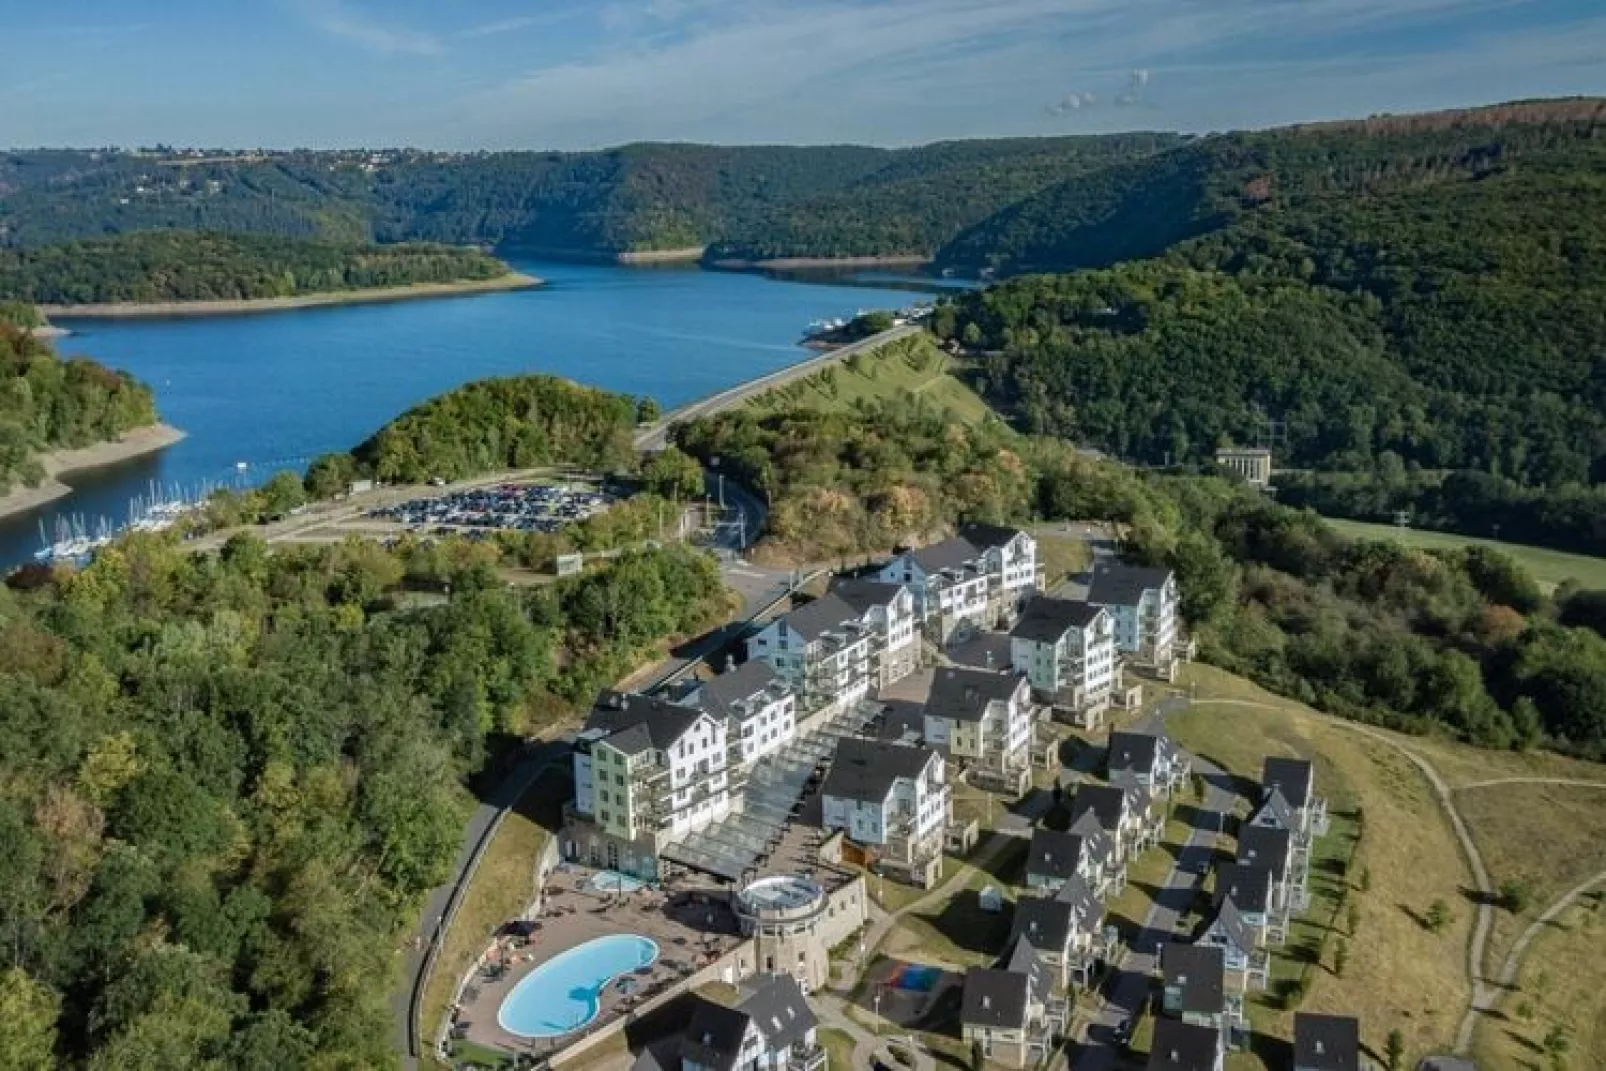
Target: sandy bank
x,y
58,463
140,310
910,260
49,331
662,256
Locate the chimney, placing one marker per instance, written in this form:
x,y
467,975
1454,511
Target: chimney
x,y
986,1003
1321,1049
989,660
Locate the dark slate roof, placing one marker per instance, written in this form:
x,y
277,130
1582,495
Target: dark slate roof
x,y
1247,886
954,553
995,998
865,770
825,614
1102,801
902,720
988,536
1095,838
1045,620
1138,794
963,694
984,650
1046,923
1274,810
779,1011
1179,1046
1079,894
1054,854
714,1035
1199,972
1134,751
1229,922
1023,960
635,723
1265,846
721,695
1292,776
862,594
1115,584
1326,1042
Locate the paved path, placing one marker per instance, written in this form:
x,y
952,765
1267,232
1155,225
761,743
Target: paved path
x,y
1565,782
1508,970
867,1047
655,436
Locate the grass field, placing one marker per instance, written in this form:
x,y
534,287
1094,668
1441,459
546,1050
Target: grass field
x,y
1062,556
913,365
1549,567
1560,986
1399,975
838,1046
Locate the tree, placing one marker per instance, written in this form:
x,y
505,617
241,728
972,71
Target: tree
x,y
330,475
1340,956
1366,879
647,410
1394,1051
1438,916
1352,918
1515,895
672,474
28,1011
1558,1041
282,494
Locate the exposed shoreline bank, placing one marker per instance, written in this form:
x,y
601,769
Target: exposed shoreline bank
x,y
183,309
896,260
59,463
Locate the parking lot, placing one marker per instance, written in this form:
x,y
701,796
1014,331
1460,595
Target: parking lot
x,y
503,507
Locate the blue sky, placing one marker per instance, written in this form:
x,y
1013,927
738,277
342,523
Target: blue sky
x,y
465,74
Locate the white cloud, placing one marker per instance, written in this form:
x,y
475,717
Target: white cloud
x,y
347,23
513,25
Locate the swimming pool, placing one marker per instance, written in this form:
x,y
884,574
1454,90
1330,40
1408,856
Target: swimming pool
x,y
563,994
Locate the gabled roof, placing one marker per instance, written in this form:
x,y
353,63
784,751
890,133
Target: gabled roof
x,y
1274,811
1179,1046
1292,776
714,1035
1095,838
1023,959
1248,887
636,723
1198,973
963,694
866,770
865,594
902,721
727,695
995,998
1046,923
989,536
779,1011
1265,846
1047,620
1054,854
828,613
1135,751
1230,925
1326,1042
1116,584
1104,802
955,553
1080,895
984,650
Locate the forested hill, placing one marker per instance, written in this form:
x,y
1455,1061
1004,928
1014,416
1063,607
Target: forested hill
x,y
158,266
47,403
756,200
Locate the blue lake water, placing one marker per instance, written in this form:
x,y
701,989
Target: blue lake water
x,y
276,390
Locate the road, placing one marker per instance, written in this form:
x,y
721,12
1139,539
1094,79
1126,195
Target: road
x,y
1128,986
655,436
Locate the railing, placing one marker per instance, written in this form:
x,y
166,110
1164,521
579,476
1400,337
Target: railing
x,y
806,1058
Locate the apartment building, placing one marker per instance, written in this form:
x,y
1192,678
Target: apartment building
x,y
822,650
1179,1046
773,1029
888,610
1249,888
1055,858
1065,929
1123,810
1145,606
970,582
1006,1011
646,773
1327,1043
759,710
893,799
1152,759
983,721
1067,650
1194,981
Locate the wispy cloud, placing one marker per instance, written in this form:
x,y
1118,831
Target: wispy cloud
x,y
513,25
356,26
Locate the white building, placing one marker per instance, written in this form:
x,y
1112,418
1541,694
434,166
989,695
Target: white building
x,y
970,582
983,721
1144,604
773,1029
760,711
1066,648
646,773
892,798
822,650
888,610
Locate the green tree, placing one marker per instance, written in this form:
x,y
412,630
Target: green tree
x,y
1340,956
672,474
330,475
1394,1051
1515,895
282,494
647,410
1438,916
28,1012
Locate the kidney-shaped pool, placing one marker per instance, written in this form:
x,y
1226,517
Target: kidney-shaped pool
x,y
565,993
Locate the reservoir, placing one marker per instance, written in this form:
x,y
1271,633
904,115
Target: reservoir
x,y
274,390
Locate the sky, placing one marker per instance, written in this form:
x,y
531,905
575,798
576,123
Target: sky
x,y
577,74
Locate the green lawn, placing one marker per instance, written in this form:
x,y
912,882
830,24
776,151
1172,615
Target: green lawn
x,y
1549,567
838,1046
908,366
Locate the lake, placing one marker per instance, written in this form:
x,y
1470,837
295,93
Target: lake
x,y
277,389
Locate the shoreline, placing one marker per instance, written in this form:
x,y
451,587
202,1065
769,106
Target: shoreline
x,y
58,463
250,306
892,260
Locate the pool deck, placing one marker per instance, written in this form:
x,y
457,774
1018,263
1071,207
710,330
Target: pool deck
x,y
690,935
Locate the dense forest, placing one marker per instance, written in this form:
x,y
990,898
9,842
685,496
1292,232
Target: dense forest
x,y
188,266
491,425
47,403
744,201
1462,642
227,781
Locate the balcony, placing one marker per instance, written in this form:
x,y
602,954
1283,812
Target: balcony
x,y
801,1057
